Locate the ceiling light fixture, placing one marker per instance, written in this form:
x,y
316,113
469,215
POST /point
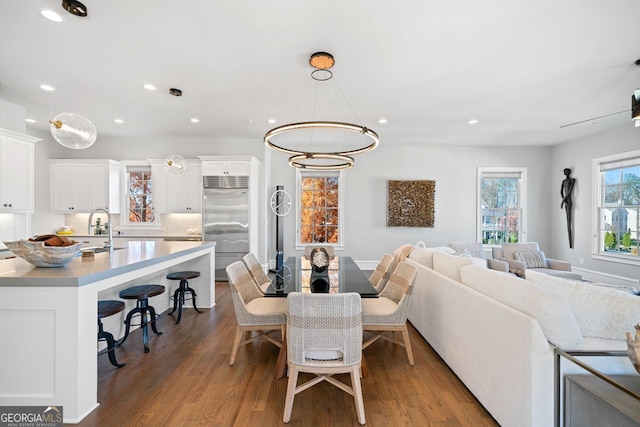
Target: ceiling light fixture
x,y
175,164
74,7
328,160
50,15
149,86
71,130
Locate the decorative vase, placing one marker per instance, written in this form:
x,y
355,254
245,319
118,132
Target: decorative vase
x,y
633,348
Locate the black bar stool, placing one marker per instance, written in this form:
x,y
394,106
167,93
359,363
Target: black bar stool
x,y
142,293
178,295
108,308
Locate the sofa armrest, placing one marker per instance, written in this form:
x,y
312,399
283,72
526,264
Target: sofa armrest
x,y
558,265
496,264
515,266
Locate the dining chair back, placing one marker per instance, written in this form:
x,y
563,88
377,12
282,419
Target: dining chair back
x,y
254,312
259,276
388,314
324,337
381,274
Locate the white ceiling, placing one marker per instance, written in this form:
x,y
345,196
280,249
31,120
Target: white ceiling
x,y
522,68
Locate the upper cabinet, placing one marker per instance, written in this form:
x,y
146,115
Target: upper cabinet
x,y
16,171
224,167
81,186
181,193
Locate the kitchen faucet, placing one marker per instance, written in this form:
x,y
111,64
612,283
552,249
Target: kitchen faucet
x,y
110,244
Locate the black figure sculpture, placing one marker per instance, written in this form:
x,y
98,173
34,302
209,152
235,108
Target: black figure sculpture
x,y
565,191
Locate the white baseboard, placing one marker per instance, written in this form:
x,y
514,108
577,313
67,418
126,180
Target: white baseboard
x,y
596,276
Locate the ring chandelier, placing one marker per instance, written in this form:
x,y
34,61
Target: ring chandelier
x,y
303,159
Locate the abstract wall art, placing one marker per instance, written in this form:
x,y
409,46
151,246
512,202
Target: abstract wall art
x,y
411,203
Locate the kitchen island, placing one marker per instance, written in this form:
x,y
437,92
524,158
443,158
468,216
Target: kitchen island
x,y
48,317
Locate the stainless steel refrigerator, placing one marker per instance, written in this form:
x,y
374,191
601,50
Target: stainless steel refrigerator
x,y
225,219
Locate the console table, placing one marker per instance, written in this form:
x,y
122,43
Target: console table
x,y
590,401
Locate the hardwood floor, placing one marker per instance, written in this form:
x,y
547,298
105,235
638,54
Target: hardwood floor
x,y
186,380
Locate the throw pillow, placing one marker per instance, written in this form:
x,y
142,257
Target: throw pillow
x,y
463,253
601,312
533,259
424,256
450,265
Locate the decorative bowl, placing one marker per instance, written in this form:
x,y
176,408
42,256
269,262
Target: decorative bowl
x,y
43,256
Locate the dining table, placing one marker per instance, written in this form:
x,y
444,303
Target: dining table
x,y
342,274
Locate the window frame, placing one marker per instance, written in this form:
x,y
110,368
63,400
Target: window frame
x,y
341,206
128,165
598,166
522,171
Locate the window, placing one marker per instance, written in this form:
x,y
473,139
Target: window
x,y
320,207
139,196
501,205
618,204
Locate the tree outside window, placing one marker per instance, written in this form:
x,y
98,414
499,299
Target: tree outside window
x,y
501,197
140,196
620,209
319,210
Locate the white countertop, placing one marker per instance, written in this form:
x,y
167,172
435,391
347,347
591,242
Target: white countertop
x,y
82,271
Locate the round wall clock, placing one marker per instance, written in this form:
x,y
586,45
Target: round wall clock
x,y
280,202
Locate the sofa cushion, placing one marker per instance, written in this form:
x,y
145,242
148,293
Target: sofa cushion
x,y
553,313
424,256
601,312
533,259
450,265
558,273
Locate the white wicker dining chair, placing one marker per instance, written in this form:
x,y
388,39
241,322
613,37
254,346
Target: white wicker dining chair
x,y
254,312
324,337
258,274
388,313
381,274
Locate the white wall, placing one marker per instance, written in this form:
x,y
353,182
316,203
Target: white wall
x,y
454,169
578,155
12,117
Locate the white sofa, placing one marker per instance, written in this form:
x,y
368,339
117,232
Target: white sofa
x,y
495,331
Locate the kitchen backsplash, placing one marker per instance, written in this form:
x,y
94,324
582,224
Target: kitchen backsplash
x,y
170,224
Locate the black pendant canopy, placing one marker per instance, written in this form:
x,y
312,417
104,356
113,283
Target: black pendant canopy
x,y
74,7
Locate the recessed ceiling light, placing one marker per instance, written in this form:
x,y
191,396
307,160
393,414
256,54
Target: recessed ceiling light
x,y
271,121
382,121
473,121
50,15
194,120
149,86
47,87
119,121
29,120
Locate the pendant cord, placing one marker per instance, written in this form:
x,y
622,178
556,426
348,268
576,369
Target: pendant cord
x,y
56,77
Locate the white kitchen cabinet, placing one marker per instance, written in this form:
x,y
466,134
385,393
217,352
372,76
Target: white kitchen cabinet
x,y
16,171
225,167
83,185
181,193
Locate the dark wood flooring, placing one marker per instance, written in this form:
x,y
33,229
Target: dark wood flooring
x,y
186,380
